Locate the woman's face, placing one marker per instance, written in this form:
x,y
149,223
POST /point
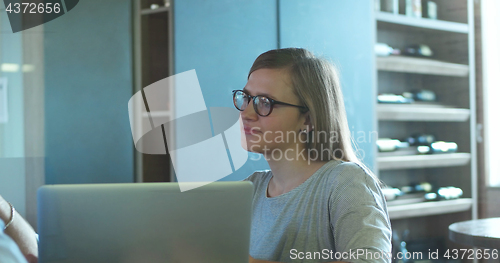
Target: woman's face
x,y
278,131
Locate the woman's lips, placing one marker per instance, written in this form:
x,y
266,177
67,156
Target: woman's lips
x,y
251,130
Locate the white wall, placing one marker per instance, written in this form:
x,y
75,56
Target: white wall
x,y
12,164
490,20
22,136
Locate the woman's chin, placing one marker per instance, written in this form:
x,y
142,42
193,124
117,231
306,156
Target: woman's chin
x,y
248,146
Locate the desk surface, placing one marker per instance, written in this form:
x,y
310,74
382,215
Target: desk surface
x,y
481,233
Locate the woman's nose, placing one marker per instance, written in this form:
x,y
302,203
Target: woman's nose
x,y
249,112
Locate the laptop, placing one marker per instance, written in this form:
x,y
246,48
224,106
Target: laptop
x,y
144,223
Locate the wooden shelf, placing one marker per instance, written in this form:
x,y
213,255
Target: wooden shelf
x,y
429,208
421,66
154,11
420,112
156,114
423,22
422,161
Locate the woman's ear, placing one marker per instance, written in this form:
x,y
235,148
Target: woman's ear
x,y
308,122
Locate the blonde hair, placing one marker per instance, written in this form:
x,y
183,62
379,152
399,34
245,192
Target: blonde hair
x,y
316,83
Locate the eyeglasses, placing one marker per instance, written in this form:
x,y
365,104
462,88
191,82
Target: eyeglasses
x,y
261,104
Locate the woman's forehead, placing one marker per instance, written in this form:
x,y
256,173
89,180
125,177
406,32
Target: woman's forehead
x,y
273,83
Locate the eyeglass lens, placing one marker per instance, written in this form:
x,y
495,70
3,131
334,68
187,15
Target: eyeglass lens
x,y
261,104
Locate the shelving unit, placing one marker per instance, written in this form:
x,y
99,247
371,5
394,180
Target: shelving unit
x,y
429,208
415,112
149,11
422,22
450,75
422,161
153,60
421,66
166,114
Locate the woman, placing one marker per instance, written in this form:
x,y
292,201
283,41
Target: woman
x,y
17,237
318,203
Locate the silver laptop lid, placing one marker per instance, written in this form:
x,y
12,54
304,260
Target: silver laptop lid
x,y
148,222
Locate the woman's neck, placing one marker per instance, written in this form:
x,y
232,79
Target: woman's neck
x,y
288,174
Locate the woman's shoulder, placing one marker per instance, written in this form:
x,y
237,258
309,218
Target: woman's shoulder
x,y
258,176
353,181
349,172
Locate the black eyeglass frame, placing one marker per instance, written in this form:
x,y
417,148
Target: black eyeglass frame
x,y
272,101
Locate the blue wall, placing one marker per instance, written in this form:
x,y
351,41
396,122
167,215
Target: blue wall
x,y
11,51
88,82
344,33
220,40
89,71
12,148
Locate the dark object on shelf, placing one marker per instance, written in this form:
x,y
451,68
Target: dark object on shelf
x,y
421,95
410,150
418,51
414,8
450,192
443,147
421,139
407,97
391,193
393,98
444,193
423,149
424,95
417,188
438,147
389,145
382,49
426,143
391,6
430,10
